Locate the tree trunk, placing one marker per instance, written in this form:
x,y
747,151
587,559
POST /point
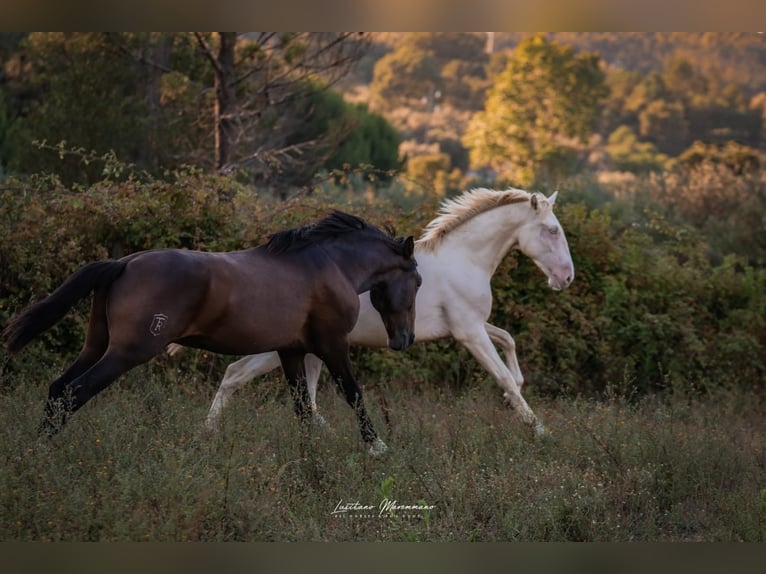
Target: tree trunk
x,y
159,50
226,101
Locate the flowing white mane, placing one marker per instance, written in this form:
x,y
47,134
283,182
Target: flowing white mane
x,y
456,211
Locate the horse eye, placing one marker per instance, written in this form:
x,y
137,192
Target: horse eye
x,y
553,230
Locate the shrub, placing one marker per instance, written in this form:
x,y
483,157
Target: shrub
x,y
649,308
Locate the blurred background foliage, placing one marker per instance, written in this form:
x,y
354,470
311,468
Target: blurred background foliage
x,y
111,143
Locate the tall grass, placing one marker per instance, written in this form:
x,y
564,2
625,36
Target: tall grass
x,y
136,464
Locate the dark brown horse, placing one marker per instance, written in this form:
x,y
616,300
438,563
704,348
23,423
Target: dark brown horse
x,y
296,294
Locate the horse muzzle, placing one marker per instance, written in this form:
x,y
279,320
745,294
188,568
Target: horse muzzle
x,y
401,341
561,280
559,284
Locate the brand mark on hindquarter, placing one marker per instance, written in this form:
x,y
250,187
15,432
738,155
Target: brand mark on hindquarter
x,y
158,322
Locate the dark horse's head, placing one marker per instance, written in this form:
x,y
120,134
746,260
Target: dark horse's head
x,y
387,263
394,297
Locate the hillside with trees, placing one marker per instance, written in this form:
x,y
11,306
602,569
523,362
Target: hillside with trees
x,y
265,105
650,369
659,96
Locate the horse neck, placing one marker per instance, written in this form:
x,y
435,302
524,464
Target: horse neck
x,y
362,263
487,237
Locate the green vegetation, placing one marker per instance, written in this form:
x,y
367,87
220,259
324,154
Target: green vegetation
x,y
664,286
153,100
546,95
627,153
650,369
430,69
530,108
137,465
541,107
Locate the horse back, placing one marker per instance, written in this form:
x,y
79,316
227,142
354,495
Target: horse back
x,y
240,302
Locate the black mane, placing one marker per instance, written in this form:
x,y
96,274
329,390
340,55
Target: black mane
x,y
334,224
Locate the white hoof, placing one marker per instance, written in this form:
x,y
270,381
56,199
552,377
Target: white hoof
x,y
43,446
378,447
319,419
540,430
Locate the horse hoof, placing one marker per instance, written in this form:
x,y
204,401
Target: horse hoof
x,y
211,425
378,447
319,420
43,446
49,428
540,430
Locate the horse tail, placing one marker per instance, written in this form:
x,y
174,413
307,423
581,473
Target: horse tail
x,y
41,316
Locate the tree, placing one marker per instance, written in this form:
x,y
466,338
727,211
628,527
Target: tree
x,y
427,67
220,101
259,81
664,124
546,97
740,159
622,84
404,75
225,109
684,81
371,140
345,136
77,93
758,107
651,88
629,154
429,174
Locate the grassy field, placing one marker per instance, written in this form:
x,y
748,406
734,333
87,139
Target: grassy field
x,y
136,464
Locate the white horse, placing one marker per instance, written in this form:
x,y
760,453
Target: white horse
x,y
457,255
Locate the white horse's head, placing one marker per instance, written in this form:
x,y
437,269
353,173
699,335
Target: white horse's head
x,y
542,239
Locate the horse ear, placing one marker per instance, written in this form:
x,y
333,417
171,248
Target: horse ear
x,y
408,247
552,198
533,201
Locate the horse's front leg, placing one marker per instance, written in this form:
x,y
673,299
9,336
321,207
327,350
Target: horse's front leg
x,y
477,341
503,339
339,365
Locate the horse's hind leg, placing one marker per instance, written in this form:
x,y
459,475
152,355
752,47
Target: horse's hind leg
x,y
313,365
58,402
96,342
100,362
91,382
237,375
